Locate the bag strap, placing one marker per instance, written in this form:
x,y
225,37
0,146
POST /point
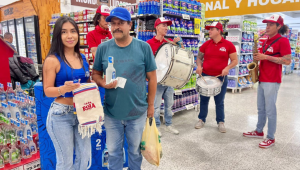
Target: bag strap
x,y
264,50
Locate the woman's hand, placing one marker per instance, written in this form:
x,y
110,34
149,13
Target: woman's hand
x,y
69,86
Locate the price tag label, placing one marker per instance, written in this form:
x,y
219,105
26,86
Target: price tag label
x,y
33,165
18,168
184,16
178,92
190,106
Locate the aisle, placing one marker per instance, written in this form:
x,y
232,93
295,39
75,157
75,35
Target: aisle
x,y
208,149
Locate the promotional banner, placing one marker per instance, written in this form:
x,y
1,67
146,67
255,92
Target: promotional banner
x,y
222,8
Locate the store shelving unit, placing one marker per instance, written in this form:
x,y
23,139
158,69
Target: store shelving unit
x,y
238,32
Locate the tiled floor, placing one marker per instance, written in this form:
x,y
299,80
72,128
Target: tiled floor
x,y
207,149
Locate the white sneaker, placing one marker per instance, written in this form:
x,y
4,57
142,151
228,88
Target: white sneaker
x,y
159,132
222,128
171,129
200,124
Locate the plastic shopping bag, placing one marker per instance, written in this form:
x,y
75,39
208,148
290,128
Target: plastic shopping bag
x,y
150,144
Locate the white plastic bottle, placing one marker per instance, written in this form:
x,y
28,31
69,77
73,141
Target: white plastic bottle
x,y
2,93
19,91
32,146
110,71
10,92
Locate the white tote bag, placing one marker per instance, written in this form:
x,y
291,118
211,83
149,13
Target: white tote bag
x,y
89,110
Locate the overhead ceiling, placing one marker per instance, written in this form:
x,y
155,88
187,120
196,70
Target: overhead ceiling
x,y
292,19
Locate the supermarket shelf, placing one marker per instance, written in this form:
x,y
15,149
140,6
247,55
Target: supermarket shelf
x,y
230,76
244,64
88,21
132,32
83,33
25,162
165,13
245,86
183,36
247,42
246,53
84,46
145,16
231,87
234,29
183,108
184,90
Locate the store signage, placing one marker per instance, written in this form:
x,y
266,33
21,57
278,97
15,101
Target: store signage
x,y
221,8
85,3
8,11
197,23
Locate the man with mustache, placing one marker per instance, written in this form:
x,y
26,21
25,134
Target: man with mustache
x,y
125,108
165,92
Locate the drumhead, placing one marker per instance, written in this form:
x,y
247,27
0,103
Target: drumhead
x,y
163,59
211,82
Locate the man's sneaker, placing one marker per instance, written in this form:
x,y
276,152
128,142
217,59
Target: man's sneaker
x,y
254,134
200,124
222,128
171,129
267,143
159,132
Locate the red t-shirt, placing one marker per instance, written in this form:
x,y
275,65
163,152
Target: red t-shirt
x,y
94,37
269,71
216,56
155,44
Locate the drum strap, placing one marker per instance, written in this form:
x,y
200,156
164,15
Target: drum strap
x,y
170,42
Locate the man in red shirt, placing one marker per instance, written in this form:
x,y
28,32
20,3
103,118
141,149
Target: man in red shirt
x,y
101,32
165,92
275,52
213,57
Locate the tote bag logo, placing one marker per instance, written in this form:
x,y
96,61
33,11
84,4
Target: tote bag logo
x,y
88,106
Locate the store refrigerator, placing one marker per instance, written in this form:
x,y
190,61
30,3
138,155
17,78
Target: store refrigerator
x,y
33,40
21,37
4,27
12,30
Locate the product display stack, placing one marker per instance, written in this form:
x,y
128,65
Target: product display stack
x,y
241,33
19,140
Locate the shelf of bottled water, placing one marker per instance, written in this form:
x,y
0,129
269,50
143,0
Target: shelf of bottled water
x,y
18,125
149,7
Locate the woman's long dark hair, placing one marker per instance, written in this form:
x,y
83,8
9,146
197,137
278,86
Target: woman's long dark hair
x,y
57,46
96,18
283,30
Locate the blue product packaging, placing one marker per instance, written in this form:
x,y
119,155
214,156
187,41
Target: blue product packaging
x,y
177,26
240,70
181,22
246,59
176,6
189,7
190,28
185,27
241,59
243,48
188,44
183,5
195,8
244,37
192,46
249,37
173,29
170,5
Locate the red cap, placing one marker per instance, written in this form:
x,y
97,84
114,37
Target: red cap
x,y
162,20
215,25
103,10
275,19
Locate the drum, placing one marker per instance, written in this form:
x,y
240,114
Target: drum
x,y
174,65
210,87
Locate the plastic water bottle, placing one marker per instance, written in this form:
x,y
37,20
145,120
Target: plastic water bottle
x,y
6,111
196,96
105,157
2,94
193,96
140,9
32,146
180,101
158,7
110,71
19,91
144,7
25,149
10,92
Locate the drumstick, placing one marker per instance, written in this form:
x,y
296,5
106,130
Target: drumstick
x,y
218,75
203,79
170,42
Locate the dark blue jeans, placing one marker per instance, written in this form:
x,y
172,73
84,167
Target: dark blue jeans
x,y
219,101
